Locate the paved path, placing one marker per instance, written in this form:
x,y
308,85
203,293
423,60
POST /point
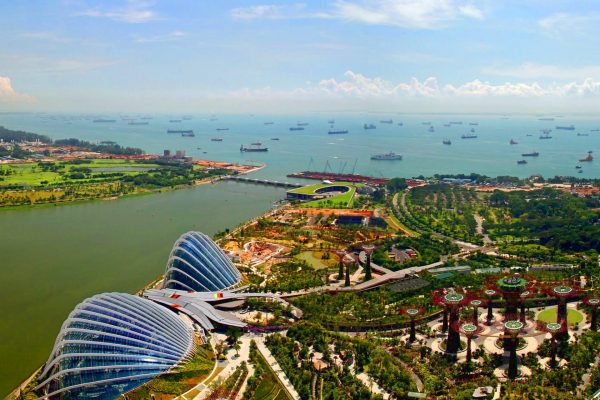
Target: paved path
x,y
372,385
281,376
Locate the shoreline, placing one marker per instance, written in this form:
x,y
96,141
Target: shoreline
x,y
143,192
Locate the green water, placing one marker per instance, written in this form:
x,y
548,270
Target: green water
x,y
54,257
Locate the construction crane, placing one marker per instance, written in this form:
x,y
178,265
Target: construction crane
x,y
354,166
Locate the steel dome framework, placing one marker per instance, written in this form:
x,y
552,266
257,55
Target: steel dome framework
x,y
112,343
198,264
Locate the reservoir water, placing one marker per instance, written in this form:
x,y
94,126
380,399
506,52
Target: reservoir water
x,y
51,258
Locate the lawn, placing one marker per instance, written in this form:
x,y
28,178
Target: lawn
x,y
314,259
343,200
549,315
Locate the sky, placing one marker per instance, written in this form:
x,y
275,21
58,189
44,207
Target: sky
x,y
288,57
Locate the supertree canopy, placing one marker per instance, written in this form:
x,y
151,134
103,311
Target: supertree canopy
x,y
452,303
412,312
469,329
511,332
562,292
593,303
554,329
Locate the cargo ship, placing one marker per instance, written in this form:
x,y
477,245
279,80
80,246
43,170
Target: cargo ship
x,y
274,138
331,122
138,123
447,142
222,129
474,123
181,131
187,134
469,136
513,141
302,124
102,120
545,136
386,156
566,128
587,158
339,132
582,134
522,162
545,119
253,148
216,139
369,126
296,128
532,154
174,120
455,122
269,123
386,121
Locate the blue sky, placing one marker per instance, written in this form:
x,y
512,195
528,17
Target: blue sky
x,y
263,56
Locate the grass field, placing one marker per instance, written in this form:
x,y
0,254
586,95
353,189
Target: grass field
x,y
549,315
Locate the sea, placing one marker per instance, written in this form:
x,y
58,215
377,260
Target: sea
x,y
53,257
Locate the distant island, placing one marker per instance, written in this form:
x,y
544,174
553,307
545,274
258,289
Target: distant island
x,y
34,169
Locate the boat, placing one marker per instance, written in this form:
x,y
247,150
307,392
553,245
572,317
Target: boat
x,y
447,142
545,136
338,132
138,123
269,123
580,171
174,120
469,136
400,124
302,124
369,126
187,134
296,128
594,130
532,154
274,138
181,131
386,156
146,118
102,120
431,129
253,148
566,128
513,141
455,122
186,117
472,130
529,134
447,125
198,148
474,123
331,122
546,119
222,129
386,121
578,167
587,158
216,139
582,134
522,162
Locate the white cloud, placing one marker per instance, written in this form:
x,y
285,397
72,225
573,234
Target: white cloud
x,y
46,36
269,11
8,94
168,37
428,14
359,85
537,71
562,24
423,14
134,12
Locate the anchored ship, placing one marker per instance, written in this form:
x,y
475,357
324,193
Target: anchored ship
x,y
587,158
469,136
339,132
447,141
566,128
387,156
183,132
104,120
386,121
138,123
522,162
296,128
253,148
513,141
369,126
532,154
216,139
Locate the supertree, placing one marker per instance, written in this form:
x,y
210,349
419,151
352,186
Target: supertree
x,y
469,329
476,303
347,262
412,312
452,303
524,295
368,249
511,334
512,287
594,303
554,329
489,294
341,255
562,292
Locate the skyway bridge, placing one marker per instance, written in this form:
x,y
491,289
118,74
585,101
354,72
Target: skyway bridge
x,y
262,181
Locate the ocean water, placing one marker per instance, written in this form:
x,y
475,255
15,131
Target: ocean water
x,y
313,149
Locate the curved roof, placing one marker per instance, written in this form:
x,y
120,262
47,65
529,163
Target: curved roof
x,y
198,264
112,343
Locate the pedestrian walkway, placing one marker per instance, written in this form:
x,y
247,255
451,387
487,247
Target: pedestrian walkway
x,y
274,365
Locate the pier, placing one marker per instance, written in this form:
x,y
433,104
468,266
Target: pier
x,y
262,181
